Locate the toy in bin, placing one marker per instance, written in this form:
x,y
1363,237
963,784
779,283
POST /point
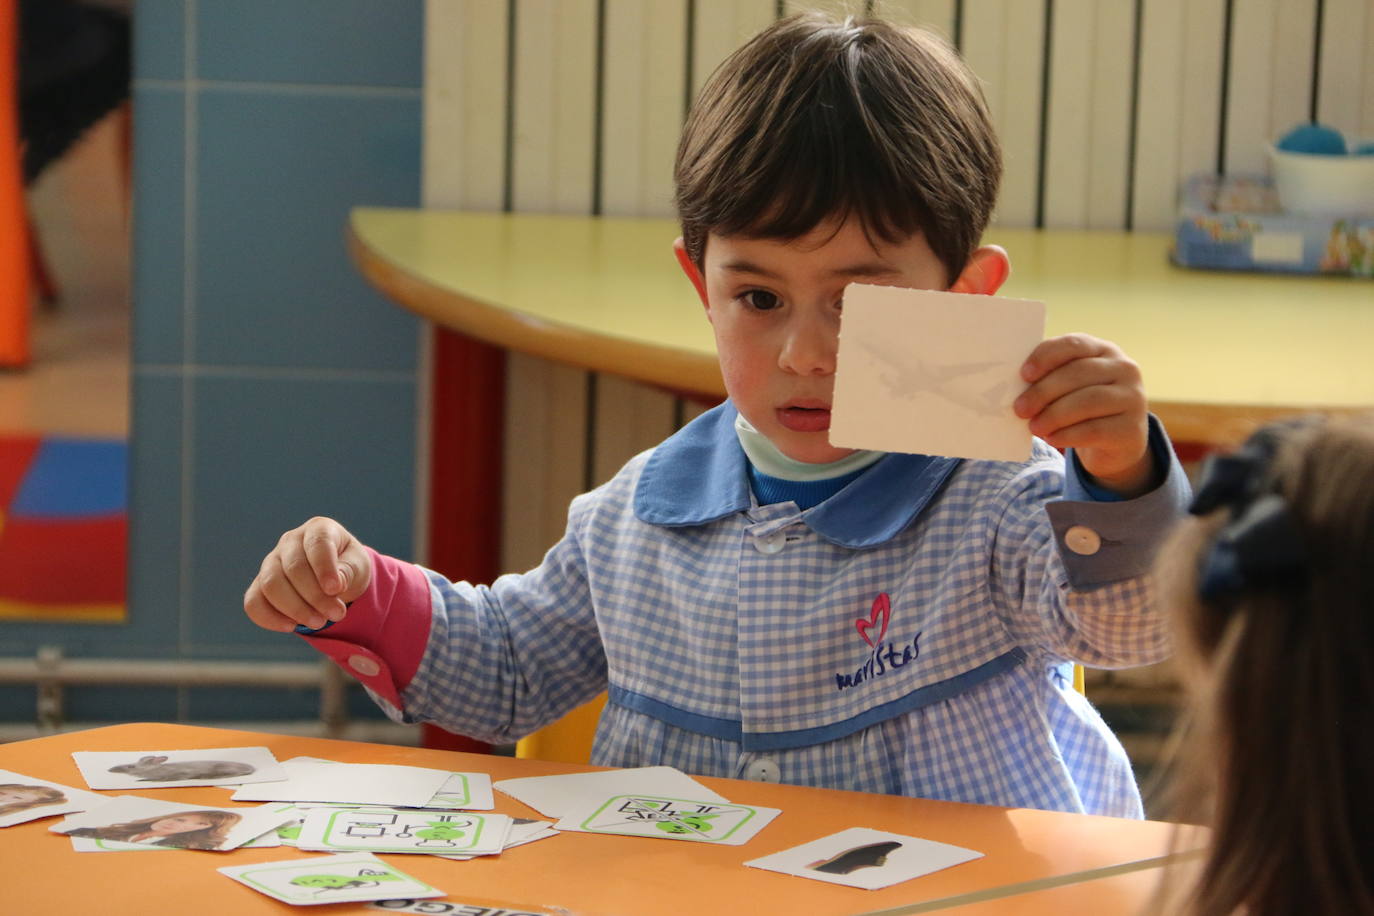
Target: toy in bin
x,y
1316,215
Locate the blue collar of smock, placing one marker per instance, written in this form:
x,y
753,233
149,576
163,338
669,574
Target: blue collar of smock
x,y
699,475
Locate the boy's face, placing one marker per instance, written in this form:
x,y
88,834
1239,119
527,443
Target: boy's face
x,y
775,309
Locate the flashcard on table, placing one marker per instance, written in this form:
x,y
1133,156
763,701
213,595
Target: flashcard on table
x,y
866,858
395,830
349,783
469,791
671,819
215,766
359,877
554,796
27,798
522,830
450,908
162,823
933,373
89,844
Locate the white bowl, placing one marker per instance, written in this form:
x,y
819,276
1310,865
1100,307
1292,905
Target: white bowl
x,y
1324,185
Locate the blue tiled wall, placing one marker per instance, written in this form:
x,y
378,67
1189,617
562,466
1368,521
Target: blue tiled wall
x,y
270,382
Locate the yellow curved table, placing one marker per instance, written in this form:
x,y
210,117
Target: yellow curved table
x,y
1221,352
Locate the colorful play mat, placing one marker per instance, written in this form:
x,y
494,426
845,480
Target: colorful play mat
x,y
63,528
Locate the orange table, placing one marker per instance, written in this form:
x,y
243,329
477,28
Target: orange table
x,y
574,873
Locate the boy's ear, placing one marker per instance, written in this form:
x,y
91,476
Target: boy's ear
x,y
684,260
987,269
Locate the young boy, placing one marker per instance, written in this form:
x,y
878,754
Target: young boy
x,y
759,603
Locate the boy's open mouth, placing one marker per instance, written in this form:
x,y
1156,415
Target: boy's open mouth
x,y
805,419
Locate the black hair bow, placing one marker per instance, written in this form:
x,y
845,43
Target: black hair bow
x,y
1260,545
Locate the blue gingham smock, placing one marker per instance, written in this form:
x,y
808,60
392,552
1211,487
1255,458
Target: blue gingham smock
x,y
910,635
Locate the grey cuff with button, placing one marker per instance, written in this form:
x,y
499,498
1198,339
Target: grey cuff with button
x,y
1105,542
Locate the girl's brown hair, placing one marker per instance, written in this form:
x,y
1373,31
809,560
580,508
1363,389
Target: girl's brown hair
x,y
817,119
1275,650
221,822
44,795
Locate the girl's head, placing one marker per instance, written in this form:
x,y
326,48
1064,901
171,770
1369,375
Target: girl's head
x,y
1272,591
198,829
15,797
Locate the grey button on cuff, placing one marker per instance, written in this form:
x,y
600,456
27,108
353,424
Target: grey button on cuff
x,y
1082,540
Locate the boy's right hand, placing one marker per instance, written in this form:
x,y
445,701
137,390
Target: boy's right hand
x,y
309,578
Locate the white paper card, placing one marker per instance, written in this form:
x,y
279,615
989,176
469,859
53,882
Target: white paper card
x,y
450,908
522,830
349,783
660,818
468,791
866,858
132,819
331,879
933,373
88,844
553,796
396,830
214,766
27,798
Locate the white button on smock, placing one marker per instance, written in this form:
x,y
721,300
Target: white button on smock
x,y
765,769
771,543
1082,540
364,665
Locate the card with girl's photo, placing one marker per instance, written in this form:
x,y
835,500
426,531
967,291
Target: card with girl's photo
x,y
283,835
215,766
27,798
130,819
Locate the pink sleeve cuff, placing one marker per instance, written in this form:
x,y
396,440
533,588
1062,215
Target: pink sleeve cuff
x,y
382,638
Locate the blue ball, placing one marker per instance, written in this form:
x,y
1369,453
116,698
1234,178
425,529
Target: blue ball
x,y
1316,139
1365,149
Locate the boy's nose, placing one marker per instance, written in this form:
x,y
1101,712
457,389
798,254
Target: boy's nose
x,y
810,346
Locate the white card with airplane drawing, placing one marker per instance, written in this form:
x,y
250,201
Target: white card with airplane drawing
x,y
132,819
670,819
212,766
379,784
27,798
555,796
468,791
355,878
405,831
866,858
933,373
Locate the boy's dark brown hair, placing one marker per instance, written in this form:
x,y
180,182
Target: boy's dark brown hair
x,y
818,119
1277,658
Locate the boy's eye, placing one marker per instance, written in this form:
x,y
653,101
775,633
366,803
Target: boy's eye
x,y
761,300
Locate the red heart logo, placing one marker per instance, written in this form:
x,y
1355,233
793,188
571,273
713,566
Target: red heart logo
x,y
882,610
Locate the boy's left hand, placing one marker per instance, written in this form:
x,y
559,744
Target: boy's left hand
x,y
1087,395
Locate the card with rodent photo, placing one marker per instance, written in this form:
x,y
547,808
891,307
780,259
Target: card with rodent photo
x,y
213,766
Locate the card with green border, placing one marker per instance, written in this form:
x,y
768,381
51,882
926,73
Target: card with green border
x,y
670,818
331,879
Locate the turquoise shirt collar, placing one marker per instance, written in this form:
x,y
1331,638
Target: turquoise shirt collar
x,y
699,475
